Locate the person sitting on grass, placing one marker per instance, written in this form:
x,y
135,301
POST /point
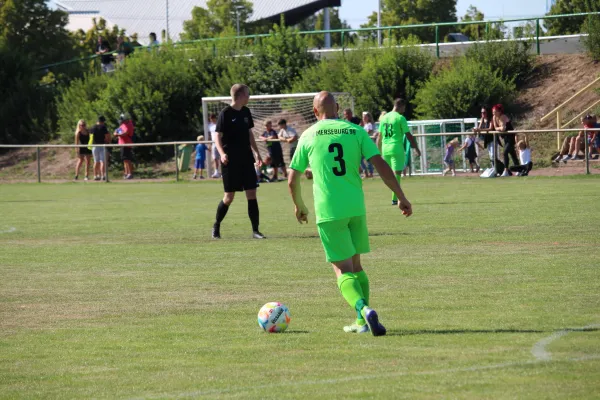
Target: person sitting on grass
x,y
200,162
261,172
449,157
577,143
524,157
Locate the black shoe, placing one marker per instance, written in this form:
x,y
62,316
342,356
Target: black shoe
x,y
394,202
258,235
216,232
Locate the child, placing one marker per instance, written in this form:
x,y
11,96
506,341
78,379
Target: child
x,y
449,156
524,157
200,157
261,173
471,153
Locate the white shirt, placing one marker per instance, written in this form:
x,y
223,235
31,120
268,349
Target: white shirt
x,y
369,128
475,140
212,129
289,133
525,156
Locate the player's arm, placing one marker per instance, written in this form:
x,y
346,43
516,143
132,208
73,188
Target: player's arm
x,y
389,178
254,147
219,144
296,193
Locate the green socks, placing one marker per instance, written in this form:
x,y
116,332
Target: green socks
x,y
394,197
351,290
363,279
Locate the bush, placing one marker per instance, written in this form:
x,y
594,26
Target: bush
x,y
161,92
459,91
592,41
511,59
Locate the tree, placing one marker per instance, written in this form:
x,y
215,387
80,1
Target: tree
x,y
570,25
31,28
526,30
402,12
485,30
316,22
219,15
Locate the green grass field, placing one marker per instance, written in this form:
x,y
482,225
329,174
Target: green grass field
x,y
117,291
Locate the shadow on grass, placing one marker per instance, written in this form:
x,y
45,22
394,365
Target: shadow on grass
x,y
295,332
406,332
317,236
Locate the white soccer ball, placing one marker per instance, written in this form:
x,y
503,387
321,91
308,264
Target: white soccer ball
x,y
274,317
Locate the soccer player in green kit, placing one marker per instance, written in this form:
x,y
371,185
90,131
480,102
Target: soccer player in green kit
x,y
333,148
393,127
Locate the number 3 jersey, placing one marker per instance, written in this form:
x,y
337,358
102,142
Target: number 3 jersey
x,y
392,128
333,148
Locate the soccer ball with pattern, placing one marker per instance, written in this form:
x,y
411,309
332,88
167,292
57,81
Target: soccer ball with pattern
x,y
274,317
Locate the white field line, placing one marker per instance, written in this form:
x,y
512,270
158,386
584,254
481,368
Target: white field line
x,y
539,349
354,378
9,230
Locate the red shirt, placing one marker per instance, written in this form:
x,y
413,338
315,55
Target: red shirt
x,y
127,128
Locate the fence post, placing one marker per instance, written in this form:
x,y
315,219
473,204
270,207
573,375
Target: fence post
x,y
437,41
342,39
537,35
390,36
106,163
558,122
586,150
39,169
176,163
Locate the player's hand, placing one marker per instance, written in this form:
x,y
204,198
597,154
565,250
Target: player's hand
x,y
405,206
418,152
302,214
224,159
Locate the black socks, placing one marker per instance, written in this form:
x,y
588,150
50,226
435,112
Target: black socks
x,y
253,214
222,209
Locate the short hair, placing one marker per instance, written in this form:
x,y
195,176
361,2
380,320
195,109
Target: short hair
x,y
212,116
238,89
200,138
399,102
268,123
282,122
153,35
347,111
101,118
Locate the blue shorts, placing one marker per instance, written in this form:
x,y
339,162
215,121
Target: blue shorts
x,y
200,163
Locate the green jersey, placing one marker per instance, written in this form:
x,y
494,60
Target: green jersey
x,y
393,128
333,148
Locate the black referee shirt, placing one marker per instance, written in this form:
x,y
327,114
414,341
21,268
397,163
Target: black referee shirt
x,y
234,127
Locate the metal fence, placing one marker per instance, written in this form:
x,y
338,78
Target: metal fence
x,y
432,137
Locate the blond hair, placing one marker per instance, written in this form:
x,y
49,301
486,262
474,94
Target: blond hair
x,y
78,129
200,138
454,142
237,90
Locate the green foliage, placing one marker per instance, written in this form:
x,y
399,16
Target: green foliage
x,y
25,106
511,59
216,17
30,27
278,60
571,25
403,12
483,30
592,42
459,91
162,92
316,22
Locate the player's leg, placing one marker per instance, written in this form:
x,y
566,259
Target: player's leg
x,y
78,166
396,162
222,209
250,185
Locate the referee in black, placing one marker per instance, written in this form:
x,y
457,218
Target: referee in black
x,y
236,145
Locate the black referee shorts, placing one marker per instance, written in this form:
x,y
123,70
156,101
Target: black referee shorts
x,y
238,177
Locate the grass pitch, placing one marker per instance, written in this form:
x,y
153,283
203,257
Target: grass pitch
x,y
116,291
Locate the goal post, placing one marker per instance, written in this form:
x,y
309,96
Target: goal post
x,y
295,108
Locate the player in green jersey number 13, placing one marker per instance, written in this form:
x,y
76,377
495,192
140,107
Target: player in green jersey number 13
x,y
334,148
393,128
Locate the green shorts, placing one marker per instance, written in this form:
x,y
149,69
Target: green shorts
x,y
396,161
344,238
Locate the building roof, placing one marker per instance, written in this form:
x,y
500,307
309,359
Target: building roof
x,y
145,16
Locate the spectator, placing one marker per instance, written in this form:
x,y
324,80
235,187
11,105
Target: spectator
x,y
124,49
503,124
471,154
349,117
100,136
82,136
486,125
567,147
125,134
594,138
153,42
576,142
525,158
261,172
367,123
288,135
106,57
449,156
212,127
200,162
271,139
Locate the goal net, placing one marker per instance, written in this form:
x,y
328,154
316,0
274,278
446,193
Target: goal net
x,y
296,109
